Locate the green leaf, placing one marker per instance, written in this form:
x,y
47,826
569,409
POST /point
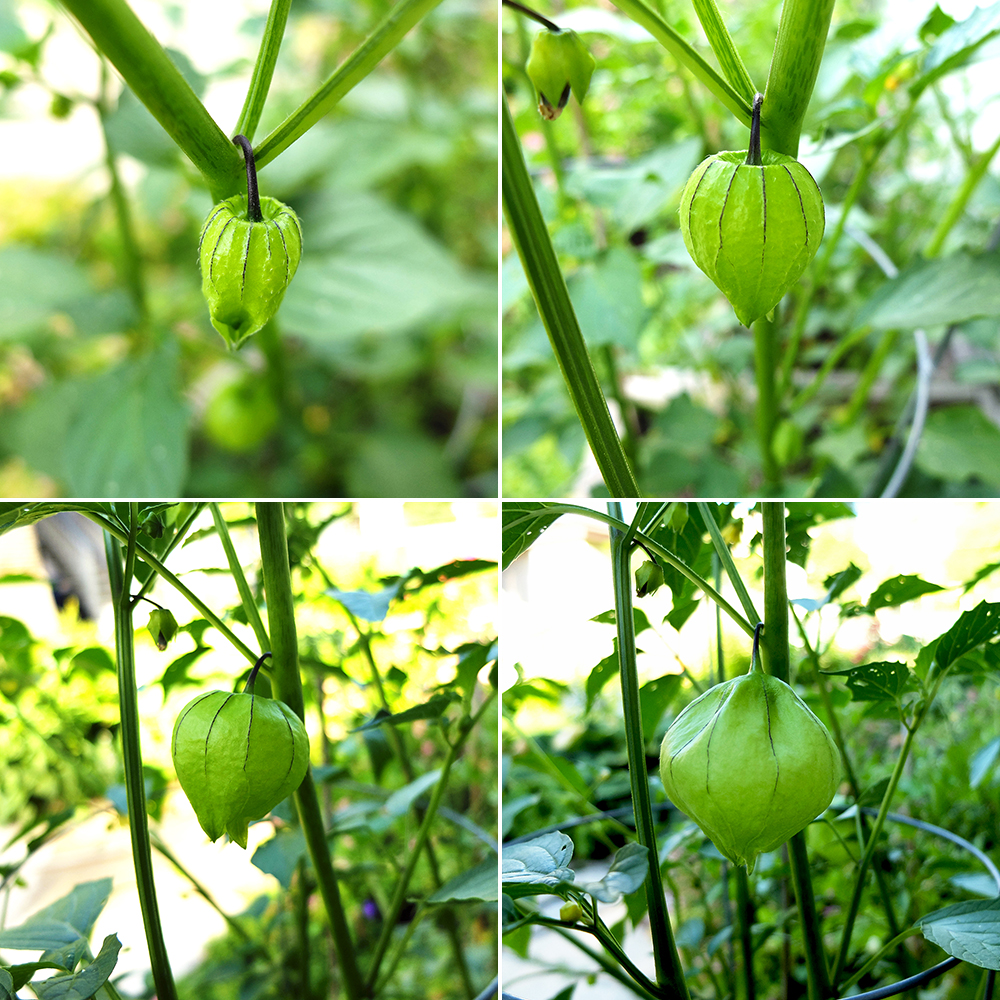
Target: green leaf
x,y
600,675
122,432
935,292
61,922
522,524
433,708
880,681
654,697
960,443
607,297
972,628
982,761
35,285
957,44
969,931
479,882
536,866
400,801
900,589
627,873
84,984
370,269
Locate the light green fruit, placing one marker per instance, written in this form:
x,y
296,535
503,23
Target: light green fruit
x,y
559,62
237,756
752,229
750,764
246,266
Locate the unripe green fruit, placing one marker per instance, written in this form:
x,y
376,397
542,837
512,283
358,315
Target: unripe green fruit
x,y
237,756
750,764
246,266
752,229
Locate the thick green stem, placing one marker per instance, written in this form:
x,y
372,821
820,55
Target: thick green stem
x,y
744,923
669,971
128,699
157,82
776,649
534,246
766,375
798,51
287,685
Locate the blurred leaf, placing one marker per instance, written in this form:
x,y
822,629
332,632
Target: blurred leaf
x,y
654,697
480,882
368,269
433,708
957,44
400,801
372,606
627,872
537,865
600,675
124,431
935,292
960,443
35,285
279,855
607,297
62,922
982,761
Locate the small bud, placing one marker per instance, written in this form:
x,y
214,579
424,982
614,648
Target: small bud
x,y
570,912
559,62
648,579
162,627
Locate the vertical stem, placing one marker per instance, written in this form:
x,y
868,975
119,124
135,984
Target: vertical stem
x,y
669,971
744,916
287,687
766,375
121,578
776,648
548,287
798,51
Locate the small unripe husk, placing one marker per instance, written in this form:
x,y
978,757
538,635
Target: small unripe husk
x,y
750,764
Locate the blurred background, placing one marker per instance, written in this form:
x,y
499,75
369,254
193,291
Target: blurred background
x,y
379,376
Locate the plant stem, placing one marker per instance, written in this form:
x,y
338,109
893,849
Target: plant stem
x,y
744,917
287,686
776,648
383,39
765,374
128,699
669,971
246,597
798,51
534,246
263,70
533,14
391,917
156,81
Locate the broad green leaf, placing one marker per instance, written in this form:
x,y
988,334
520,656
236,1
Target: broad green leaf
x,y
957,45
899,590
983,761
654,697
969,931
627,872
522,524
433,708
365,604
370,271
84,984
607,297
61,922
972,628
400,801
881,681
479,882
600,675
35,285
536,866
934,293
960,443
